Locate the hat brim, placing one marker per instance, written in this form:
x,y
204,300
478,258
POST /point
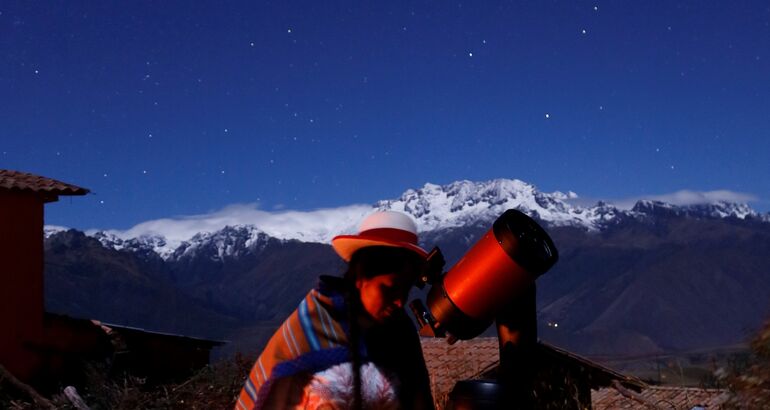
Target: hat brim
x,y
347,245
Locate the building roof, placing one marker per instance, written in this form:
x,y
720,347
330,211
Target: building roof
x,y
658,397
48,188
480,357
181,338
463,360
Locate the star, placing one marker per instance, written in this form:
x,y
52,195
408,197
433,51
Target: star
x,y
583,31
547,116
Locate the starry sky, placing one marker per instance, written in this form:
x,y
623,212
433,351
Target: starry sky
x,y
179,108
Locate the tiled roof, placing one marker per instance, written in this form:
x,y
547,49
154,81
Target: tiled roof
x,y
22,181
470,359
463,360
658,397
479,358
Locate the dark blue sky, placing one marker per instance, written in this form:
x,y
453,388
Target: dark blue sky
x,y
169,108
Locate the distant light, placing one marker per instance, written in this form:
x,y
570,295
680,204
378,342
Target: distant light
x,y
555,325
144,171
583,31
37,72
596,8
288,31
101,202
251,44
547,116
226,130
470,54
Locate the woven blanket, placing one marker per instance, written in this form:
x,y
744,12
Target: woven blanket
x,y
309,340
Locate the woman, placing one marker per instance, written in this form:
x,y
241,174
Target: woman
x,y
350,343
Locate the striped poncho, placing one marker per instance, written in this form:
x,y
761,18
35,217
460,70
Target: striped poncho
x,y
311,339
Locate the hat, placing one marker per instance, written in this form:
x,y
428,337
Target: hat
x,y
384,228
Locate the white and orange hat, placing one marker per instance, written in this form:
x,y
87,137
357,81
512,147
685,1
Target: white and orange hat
x,y
383,228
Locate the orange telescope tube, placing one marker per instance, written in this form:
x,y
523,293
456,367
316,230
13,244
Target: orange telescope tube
x,y
497,269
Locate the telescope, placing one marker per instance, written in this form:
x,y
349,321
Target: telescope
x,y
493,282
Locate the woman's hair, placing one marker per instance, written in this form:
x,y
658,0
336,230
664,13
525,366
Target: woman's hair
x,y
367,263
380,260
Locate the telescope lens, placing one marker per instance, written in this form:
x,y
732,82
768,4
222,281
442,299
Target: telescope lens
x,y
525,242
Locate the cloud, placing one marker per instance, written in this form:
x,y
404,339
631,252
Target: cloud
x,y
687,197
312,226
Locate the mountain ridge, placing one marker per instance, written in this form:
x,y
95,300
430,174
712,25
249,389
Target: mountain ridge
x,y
434,208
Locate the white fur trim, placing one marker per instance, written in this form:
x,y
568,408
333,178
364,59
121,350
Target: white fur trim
x,y
333,388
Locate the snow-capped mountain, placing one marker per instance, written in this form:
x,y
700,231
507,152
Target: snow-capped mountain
x,y
716,210
434,208
464,202
231,241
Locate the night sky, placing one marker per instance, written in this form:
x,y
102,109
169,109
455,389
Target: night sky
x,y
177,108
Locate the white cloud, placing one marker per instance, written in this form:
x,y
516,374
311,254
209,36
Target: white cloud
x,y
687,197
312,226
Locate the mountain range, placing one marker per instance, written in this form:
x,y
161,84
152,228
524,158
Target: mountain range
x,y
651,279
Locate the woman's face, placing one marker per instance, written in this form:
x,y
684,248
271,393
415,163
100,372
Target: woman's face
x,y
384,295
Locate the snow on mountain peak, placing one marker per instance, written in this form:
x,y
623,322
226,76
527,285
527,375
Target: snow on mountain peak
x,y
719,209
464,202
230,241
